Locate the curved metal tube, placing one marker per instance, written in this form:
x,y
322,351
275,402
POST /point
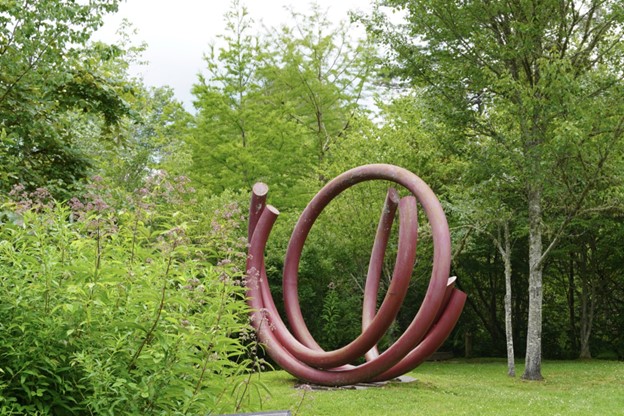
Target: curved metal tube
x,y
298,352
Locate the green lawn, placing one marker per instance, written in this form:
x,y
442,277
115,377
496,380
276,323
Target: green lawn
x,y
465,387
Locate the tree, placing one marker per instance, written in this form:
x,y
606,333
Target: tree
x,y
269,107
153,138
585,263
494,214
238,132
46,76
540,81
319,74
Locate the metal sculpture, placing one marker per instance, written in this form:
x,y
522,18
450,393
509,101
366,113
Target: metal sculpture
x,y
297,352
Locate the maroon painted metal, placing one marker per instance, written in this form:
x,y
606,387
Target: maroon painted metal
x,y
297,352
371,289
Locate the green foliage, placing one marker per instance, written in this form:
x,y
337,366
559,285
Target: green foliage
x,y
108,306
47,80
531,96
129,301
238,136
318,74
270,107
330,315
152,139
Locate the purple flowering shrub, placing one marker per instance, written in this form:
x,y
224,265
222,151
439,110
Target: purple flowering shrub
x,y
123,303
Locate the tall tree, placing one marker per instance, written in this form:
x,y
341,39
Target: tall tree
x,y
539,80
238,132
223,103
319,74
44,76
270,107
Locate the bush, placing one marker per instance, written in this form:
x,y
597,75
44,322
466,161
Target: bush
x,y
108,305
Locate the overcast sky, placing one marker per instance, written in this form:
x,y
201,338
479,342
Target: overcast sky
x,y
178,32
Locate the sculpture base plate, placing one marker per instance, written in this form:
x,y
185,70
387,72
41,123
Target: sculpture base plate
x,y
301,385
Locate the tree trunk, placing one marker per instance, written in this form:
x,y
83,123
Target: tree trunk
x,y
587,307
533,360
506,253
468,344
571,305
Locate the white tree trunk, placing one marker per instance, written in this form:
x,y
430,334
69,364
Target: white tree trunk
x,y
533,361
506,253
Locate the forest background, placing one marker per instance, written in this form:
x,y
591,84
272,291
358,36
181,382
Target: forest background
x,y
122,240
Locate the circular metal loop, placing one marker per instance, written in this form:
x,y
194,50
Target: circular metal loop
x,y
299,353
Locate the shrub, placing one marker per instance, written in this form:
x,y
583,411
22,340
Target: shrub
x,y
108,305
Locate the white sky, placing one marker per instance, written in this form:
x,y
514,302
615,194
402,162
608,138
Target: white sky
x,y
178,32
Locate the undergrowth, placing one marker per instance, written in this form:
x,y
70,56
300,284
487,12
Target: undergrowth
x,y
118,303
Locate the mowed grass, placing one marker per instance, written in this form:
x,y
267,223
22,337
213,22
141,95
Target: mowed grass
x,y
464,387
